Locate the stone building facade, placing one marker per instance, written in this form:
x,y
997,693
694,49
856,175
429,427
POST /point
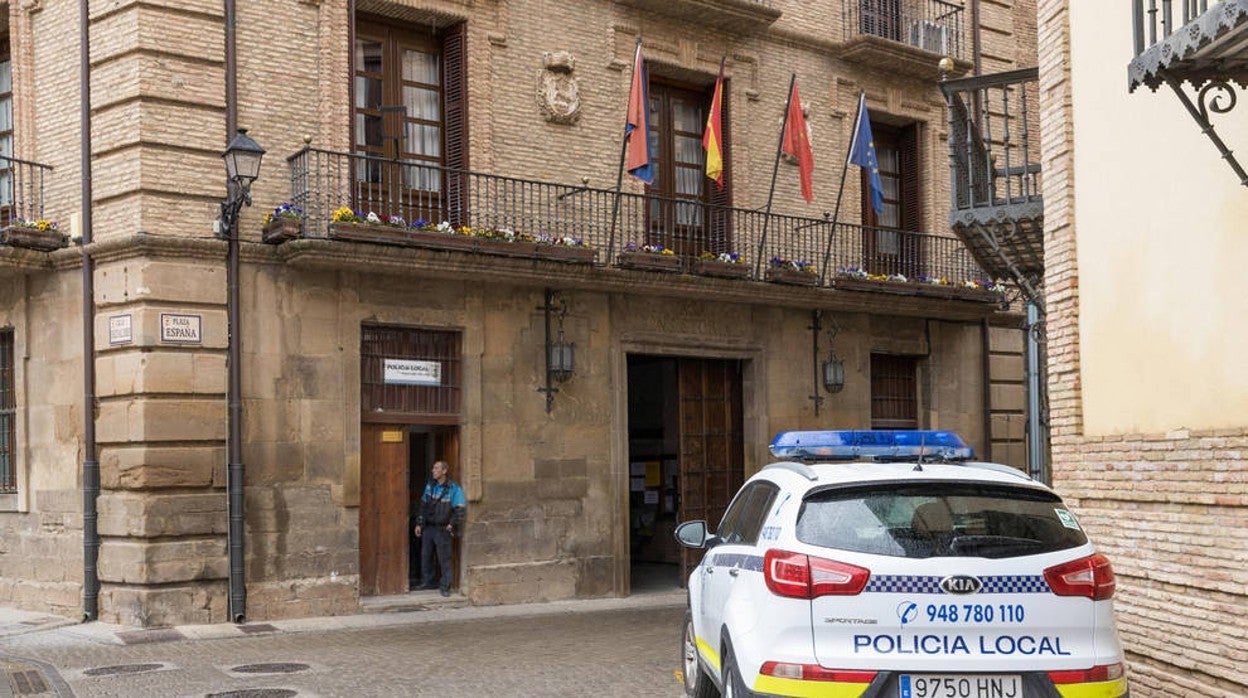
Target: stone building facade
x,y
365,353
1148,390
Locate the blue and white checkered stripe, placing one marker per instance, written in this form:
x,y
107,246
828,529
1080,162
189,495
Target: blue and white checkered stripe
x,y
915,584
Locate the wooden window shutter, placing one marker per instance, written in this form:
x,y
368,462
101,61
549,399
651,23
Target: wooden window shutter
x,y
720,228
910,156
455,120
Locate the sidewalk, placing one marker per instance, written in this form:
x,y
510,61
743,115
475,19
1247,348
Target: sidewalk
x,y
43,656
416,608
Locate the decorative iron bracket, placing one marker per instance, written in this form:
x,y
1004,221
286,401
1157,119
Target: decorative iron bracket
x,y
1207,101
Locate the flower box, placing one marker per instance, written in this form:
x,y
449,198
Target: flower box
x,y
903,288
650,261
399,235
281,229
32,237
572,254
723,270
783,275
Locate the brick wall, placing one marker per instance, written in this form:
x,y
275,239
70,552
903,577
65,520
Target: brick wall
x,y
1167,508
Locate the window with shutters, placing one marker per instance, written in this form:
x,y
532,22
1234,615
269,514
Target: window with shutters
x,y
409,120
886,249
8,417
688,212
894,392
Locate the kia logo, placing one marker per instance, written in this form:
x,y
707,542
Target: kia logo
x,y
961,584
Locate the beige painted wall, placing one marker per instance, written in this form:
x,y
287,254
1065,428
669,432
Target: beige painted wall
x,y
1161,247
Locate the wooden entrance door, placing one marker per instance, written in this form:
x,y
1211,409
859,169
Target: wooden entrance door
x,y
383,509
711,444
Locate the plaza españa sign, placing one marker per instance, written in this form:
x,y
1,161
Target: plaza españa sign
x,y
408,372
181,329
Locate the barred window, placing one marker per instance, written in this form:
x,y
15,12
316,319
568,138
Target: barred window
x,y
8,469
410,375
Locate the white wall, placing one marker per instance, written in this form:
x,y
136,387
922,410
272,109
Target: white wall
x,y
1162,234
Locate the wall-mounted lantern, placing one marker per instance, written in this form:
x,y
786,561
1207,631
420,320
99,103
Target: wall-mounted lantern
x,y
560,354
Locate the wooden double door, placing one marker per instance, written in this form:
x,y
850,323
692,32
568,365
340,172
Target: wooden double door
x,y
394,466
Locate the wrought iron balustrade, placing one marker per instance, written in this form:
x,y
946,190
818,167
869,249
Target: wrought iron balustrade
x,y
323,181
22,188
935,26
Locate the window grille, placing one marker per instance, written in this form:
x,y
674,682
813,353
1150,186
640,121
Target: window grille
x,y
396,402
894,394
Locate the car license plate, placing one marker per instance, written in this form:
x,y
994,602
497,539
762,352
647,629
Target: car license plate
x,y
961,686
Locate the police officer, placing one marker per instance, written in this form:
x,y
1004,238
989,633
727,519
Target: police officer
x,y
442,511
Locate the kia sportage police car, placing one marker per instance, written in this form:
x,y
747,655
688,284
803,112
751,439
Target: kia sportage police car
x,y
882,563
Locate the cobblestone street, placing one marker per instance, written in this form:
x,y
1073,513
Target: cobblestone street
x,y
614,647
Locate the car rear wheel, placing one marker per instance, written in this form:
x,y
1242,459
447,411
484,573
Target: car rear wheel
x,y
697,683
734,686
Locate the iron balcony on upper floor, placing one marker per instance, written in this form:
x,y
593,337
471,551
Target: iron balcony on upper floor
x,y
422,205
1196,42
905,36
994,159
23,222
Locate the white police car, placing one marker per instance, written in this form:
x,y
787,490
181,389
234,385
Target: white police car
x,y
880,563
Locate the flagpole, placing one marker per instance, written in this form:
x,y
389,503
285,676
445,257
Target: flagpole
x,y
775,170
836,214
619,177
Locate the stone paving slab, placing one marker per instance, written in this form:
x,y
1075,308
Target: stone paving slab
x,y
601,647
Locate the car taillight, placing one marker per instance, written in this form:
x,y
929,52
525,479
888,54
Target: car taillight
x,y
1090,576
814,672
807,577
1105,672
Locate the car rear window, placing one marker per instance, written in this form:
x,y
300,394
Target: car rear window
x,y
938,519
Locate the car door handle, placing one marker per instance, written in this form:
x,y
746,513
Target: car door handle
x,y
734,571
710,570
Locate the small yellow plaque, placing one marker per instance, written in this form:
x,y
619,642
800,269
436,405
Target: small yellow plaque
x,y
392,437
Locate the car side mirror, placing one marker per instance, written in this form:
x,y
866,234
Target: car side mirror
x,y
692,534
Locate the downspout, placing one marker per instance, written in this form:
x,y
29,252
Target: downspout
x,y
1037,439
234,446
90,464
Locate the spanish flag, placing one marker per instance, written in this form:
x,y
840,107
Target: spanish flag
x,y
640,164
713,136
796,143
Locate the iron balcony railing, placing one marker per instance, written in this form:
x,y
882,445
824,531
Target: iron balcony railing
x,y
1154,20
21,189
932,25
994,140
611,223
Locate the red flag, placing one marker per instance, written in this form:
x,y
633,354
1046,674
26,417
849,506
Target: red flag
x,y
637,126
796,144
713,136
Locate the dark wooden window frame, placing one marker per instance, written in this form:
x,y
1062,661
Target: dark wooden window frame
x,y
450,44
715,230
908,259
894,392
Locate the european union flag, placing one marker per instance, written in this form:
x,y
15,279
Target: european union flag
x,y
862,154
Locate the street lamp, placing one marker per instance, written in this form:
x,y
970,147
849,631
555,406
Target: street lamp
x,y
242,167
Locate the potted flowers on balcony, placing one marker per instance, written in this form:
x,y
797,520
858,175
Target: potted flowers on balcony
x,y
726,265
283,223
38,234
858,279
649,258
799,272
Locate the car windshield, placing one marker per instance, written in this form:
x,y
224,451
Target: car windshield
x,y
938,519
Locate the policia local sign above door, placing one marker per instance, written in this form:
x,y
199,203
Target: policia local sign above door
x,y
407,372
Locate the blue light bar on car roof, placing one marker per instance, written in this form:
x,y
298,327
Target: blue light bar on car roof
x,y
852,445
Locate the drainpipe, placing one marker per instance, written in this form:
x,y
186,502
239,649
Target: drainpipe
x,y
1037,465
234,446
90,464
977,38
